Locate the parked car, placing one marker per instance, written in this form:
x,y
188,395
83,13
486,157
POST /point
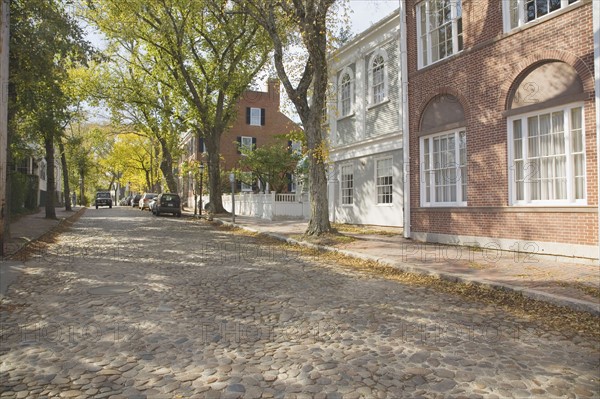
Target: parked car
x,y
135,201
145,200
125,201
103,198
167,203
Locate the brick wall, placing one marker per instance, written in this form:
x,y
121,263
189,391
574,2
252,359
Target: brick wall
x,y
276,123
481,78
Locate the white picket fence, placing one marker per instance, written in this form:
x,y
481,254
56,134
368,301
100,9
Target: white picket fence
x,y
270,206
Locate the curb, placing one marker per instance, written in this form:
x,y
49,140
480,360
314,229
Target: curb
x,y
558,300
59,225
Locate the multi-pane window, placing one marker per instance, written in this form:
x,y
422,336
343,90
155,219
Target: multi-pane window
x,y
347,183
548,157
246,144
246,182
378,71
383,180
439,30
255,115
346,95
444,169
520,12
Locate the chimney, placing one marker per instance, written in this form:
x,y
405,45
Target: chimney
x,y
274,90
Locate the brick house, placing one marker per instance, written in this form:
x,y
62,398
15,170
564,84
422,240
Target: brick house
x,y
259,120
503,146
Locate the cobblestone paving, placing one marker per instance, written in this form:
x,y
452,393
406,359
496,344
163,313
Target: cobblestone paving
x,y
127,305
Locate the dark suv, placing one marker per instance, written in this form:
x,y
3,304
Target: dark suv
x,y
103,198
167,203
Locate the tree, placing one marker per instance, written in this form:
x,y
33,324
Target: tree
x,y
205,51
45,43
303,23
272,164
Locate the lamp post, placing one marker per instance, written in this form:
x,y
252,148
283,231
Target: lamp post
x,y
201,175
195,195
81,191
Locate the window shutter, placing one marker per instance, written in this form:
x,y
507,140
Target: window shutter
x,y
290,146
239,143
201,145
238,185
253,143
247,115
262,116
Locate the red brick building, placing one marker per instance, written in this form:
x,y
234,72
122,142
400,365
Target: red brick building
x,y
259,120
502,124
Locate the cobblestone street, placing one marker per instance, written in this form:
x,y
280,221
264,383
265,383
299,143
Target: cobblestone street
x,y
128,305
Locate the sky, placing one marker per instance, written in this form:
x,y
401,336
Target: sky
x,y
366,12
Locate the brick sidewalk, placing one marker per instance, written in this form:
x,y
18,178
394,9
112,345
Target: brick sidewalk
x,y
562,281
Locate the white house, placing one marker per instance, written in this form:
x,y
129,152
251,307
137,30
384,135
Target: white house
x,y
364,115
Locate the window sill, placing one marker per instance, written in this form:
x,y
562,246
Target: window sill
x,y
430,65
445,205
545,18
350,115
386,205
347,205
372,106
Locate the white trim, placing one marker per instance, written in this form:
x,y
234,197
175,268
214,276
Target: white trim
x,y
341,183
346,71
527,202
421,63
372,146
403,87
576,253
423,177
376,160
252,117
506,5
380,52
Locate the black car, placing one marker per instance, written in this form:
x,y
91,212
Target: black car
x,y
167,203
103,198
135,201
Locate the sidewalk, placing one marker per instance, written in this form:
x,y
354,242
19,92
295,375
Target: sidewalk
x,y
23,231
557,280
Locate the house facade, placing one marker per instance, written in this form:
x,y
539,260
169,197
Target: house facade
x,y
503,134
259,120
364,117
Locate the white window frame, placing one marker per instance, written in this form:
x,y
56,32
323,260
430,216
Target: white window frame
x,y
512,189
455,7
391,185
244,139
520,6
245,187
347,71
346,200
372,100
428,168
255,116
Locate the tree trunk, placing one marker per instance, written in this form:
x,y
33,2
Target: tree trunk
x,y
66,190
213,147
166,166
50,183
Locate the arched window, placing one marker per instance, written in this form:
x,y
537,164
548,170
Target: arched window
x,y
378,84
546,137
443,151
346,92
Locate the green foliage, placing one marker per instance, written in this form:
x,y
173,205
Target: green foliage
x,y
270,164
200,54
